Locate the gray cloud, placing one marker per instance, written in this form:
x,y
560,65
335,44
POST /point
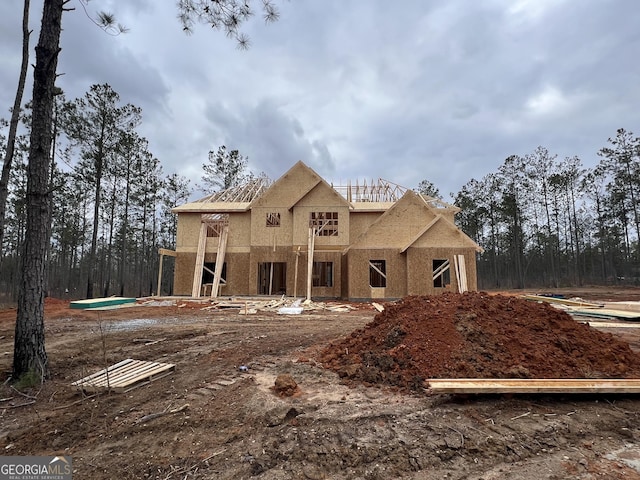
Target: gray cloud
x,y
441,90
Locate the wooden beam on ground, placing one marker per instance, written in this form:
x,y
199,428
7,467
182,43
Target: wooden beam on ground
x,y
561,301
604,313
538,385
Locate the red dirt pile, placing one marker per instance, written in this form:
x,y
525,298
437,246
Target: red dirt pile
x,y
476,335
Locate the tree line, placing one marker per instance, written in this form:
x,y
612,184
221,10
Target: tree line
x,y
549,222
110,203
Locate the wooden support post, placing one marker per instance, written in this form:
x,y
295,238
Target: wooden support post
x,y
160,274
163,252
197,271
461,273
295,276
310,247
222,248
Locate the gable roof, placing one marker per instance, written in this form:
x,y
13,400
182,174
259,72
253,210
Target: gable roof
x,y
293,186
412,207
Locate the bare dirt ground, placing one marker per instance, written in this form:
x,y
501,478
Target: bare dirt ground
x,y
232,424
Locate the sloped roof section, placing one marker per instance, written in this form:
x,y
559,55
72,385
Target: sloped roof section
x,y
233,199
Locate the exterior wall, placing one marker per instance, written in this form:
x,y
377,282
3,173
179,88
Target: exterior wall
x,y
188,232
358,274
288,256
321,199
420,275
359,223
183,274
237,273
262,236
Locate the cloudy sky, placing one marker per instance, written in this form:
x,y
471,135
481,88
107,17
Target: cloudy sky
x,y
442,90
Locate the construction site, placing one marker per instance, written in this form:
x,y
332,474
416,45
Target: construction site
x,y
331,332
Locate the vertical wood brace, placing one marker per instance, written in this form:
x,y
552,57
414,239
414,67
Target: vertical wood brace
x,y
310,247
197,271
160,273
461,272
222,248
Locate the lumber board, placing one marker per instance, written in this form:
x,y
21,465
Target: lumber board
x,y
538,385
561,301
124,376
627,306
612,324
604,313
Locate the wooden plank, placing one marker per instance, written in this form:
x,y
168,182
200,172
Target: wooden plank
x,y
197,270
310,245
167,252
598,324
604,313
124,376
518,385
561,301
222,247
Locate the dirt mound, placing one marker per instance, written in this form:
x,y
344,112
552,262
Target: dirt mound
x,y
476,335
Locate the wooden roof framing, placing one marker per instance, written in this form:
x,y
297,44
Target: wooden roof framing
x,y
243,193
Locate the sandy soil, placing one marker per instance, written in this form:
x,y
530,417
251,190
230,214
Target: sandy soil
x,y
232,424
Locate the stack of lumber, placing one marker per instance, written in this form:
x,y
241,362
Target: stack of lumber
x,y
581,308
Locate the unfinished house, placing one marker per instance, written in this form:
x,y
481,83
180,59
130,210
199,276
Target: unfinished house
x,y
301,236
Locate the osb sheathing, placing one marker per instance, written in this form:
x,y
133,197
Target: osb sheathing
x,y
237,273
359,222
358,273
420,274
289,188
322,198
188,232
263,236
239,227
443,234
183,274
398,225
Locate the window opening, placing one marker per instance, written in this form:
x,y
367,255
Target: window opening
x,y
325,224
377,273
441,273
208,272
273,219
322,274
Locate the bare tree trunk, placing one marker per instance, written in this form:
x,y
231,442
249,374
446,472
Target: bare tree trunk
x,y
29,349
13,124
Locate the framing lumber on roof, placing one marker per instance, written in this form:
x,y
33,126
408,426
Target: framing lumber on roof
x,y
244,193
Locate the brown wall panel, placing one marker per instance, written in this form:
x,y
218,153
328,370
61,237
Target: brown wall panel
x,y
358,273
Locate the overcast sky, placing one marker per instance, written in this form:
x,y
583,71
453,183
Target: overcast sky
x,y
442,90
